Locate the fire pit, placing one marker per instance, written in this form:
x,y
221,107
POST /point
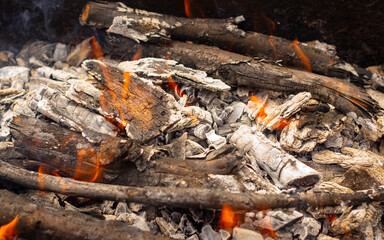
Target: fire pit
x,y
186,125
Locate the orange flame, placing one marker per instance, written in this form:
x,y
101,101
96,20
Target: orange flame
x,y
99,55
228,218
138,54
84,15
189,5
303,57
262,117
41,171
8,231
86,171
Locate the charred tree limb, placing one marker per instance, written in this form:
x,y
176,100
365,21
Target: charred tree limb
x,y
224,33
64,150
183,197
235,69
44,222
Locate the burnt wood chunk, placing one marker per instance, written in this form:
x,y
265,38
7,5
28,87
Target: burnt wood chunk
x,y
66,151
145,110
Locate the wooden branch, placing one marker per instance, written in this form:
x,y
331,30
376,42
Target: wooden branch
x,y
224,33
45,222
182,197
239,70
64,150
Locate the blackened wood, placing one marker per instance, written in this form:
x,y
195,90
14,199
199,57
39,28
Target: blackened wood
x,y
183,197
46,222
144,109
235,69
225,34
64,150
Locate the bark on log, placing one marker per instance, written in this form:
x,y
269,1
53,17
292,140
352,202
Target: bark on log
x,y
239,70
66,151
224,33
45,222
183,197
145,110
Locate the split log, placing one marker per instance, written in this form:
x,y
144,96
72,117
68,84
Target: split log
x,y
66,151
148,26
46,222
239,70
145,110
183,197
284,169
60,109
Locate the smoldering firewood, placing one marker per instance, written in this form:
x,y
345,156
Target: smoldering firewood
x,y
182,197
284,169
48,222
239,70
160,70
66,151
60,109
148,26
349,157
358,223
14,78
279,115
145,110
304,133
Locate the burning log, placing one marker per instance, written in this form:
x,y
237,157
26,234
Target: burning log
x,y
284,169
143,109
47,222
66,151
183,197
239,70
148,26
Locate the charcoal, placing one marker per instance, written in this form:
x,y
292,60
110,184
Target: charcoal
x,y
60,53
14,77
187,226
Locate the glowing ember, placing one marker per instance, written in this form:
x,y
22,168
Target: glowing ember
x,y
228,218
189,5
84,15
8,231
262,117
138,54
303,57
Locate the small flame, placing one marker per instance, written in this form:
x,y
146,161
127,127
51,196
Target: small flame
x,y
84,15
8,231
189,5
85,171
99,55
228,218
138,54
303,57
262,117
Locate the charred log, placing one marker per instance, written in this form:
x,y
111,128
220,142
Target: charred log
x,y
66,151
224,33
239,70
46,222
